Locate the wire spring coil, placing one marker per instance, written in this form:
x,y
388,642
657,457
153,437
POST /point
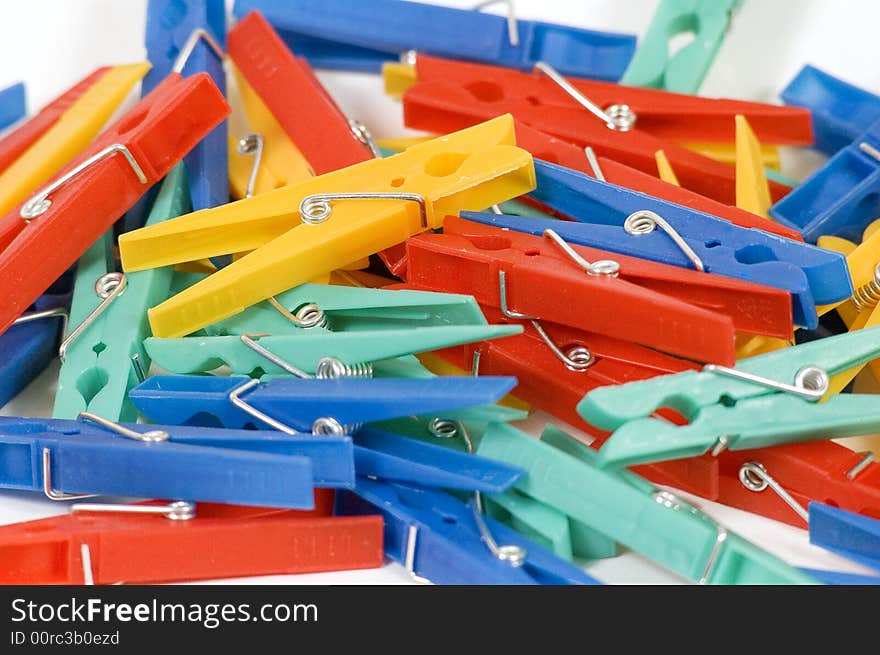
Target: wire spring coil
x,y
868,296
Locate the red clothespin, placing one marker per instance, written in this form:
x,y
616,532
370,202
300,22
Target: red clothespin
x,y
670,309
466,94
295,97
219,541
822,471
556,151
22,137
45,236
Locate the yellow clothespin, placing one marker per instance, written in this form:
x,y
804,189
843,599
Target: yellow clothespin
x,y
726,153
752,190
279,162
398,78
402,143
73,131
667,174
299,232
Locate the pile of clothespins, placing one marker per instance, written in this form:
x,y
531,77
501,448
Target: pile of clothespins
x,y
327,366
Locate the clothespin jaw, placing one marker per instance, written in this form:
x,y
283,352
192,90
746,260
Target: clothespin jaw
x,y
767,400
49,232
27,349
351,35
220,541
62,457
104,357
752,189
12,104
850,535
841,111
626,508
472,168
299,404
628,224
441,540
73,131
293,94
653,65
541,279
839,199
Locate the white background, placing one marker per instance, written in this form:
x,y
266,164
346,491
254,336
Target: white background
x,y
50,44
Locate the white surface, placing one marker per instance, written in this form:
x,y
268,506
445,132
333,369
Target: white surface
x,y
52,43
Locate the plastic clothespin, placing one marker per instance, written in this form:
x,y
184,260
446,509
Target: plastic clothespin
x,y
441,540
370,206
62,457
350,35
46,235
103,354
107,544
263,158
841,111
850,535
752,188
601,116
653,64
72,132
670,309
188,38
839,199
841,578
301,105
16,142
561,472
617,219
765,401
553,150
306,404
12,104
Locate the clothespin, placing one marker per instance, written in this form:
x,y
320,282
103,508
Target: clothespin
x,y
263,158
371,206
765,401
665,170
841,111
839,199
653,64
189,38
68,136
752,188
666,308
553,150
660,526
840,578
350,35
62,457
441,540
12,104
850,535
617,219
16,142
46,235
623,123
177,542
103,355
306,404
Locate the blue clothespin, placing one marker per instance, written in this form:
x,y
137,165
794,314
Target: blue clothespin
x,y
850,535
188,38
307,405
841,578
840,199
12,104
95,456
841,111
439,539
616,219
361,36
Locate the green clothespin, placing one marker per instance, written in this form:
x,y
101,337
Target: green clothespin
x,y
542,524
300,354
766,400
684,71
561,473
103,355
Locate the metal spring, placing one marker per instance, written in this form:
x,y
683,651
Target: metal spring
x,y
306,317
327,426
868,296
314,210
443,428
330,368
646,221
